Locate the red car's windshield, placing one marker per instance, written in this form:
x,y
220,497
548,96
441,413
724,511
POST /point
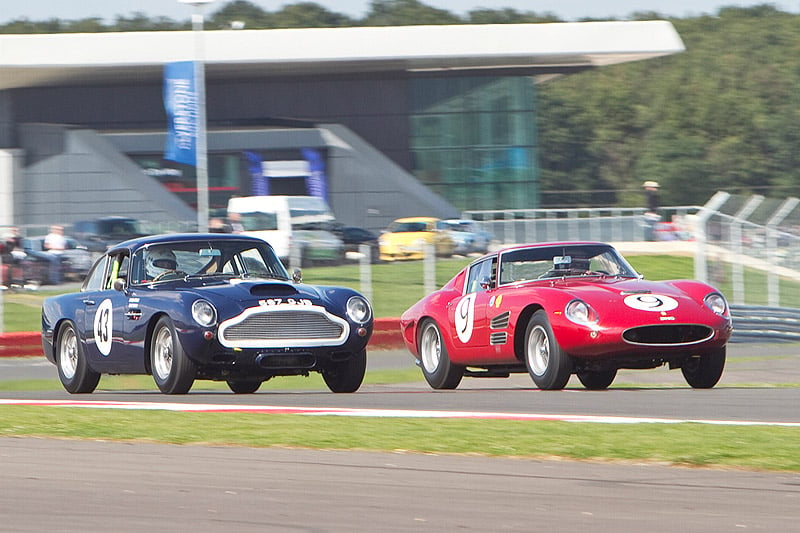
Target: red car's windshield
x,y
541,262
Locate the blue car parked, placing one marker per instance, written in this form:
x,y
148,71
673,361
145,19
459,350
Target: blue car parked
x,y
204,306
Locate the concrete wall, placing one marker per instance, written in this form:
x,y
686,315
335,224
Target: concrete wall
x,y
369,190
10,167
75,174
365,187
7,138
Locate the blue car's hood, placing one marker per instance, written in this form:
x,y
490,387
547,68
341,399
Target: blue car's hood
x,y
252,290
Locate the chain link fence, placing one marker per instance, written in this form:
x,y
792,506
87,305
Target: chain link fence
x,y
747,246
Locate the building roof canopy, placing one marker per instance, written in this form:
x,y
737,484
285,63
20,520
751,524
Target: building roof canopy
x,y
113,58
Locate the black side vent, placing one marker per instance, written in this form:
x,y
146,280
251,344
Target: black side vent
x,y
498,338
273,289
501,320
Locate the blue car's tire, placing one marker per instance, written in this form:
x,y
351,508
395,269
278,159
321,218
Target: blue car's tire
x,y
172,370
439,371
243,386
347,375
73,369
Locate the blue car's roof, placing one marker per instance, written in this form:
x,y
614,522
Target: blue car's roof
x,y
134,244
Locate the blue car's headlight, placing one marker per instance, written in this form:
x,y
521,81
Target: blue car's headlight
x,y
358,309
580,312
716,302
204,313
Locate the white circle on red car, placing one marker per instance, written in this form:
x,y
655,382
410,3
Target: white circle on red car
x,y
103,322
651,302
465,317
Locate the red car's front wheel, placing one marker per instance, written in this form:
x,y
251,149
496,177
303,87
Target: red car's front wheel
x,y
703,372
439,372
549,366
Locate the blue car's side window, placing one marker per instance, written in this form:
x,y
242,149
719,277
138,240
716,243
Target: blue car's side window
x,y
94,281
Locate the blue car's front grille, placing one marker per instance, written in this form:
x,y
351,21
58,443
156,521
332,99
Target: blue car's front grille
x,y
292,327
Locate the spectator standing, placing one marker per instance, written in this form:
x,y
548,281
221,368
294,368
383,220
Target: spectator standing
x,y
14,245
651,194
216,225
651,217
235,222
55,243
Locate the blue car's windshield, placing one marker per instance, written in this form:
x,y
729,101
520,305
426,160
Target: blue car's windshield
x,y
223,258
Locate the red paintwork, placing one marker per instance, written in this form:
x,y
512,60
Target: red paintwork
x,y
602,340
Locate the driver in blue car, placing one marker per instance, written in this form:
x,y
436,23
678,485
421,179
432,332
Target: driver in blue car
x,y
160,262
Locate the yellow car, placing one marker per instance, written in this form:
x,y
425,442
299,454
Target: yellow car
x,y
405,238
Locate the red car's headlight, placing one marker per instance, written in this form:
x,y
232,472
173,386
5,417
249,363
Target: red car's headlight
x,y
580,312
716,302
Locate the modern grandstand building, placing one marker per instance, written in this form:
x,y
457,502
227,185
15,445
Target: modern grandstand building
x,y
413,120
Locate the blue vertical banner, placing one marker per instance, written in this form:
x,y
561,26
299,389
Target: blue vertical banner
x,y
259,183
181,104
316,182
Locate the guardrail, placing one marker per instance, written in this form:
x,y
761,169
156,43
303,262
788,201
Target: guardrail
x,y
754,323
751,323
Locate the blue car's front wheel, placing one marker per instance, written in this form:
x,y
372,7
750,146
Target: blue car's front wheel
x,y
347,375
172,370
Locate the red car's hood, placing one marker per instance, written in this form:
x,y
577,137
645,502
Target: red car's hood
x,y
600,292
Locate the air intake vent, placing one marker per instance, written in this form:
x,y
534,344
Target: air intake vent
x,y
273,289
668,334
501,320
283,326
498,338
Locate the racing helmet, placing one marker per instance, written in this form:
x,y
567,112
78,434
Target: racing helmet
x,y
159,260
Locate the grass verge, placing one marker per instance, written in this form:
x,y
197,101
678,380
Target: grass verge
x,y
687,444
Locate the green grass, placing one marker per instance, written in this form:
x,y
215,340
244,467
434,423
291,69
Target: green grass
x,y
762,448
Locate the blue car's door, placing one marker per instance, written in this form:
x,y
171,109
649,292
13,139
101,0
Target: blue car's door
x,y
106,325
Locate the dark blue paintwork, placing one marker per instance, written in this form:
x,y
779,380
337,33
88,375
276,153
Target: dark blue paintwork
x,y
138,305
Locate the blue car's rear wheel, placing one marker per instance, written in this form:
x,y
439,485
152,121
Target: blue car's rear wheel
x,y
172,370
243,386
73,370
549,366
439,371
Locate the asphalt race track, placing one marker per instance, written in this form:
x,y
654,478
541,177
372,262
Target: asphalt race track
x,y
106,486
74,486
658,393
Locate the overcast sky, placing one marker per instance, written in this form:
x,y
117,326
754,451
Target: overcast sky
x,y
565,9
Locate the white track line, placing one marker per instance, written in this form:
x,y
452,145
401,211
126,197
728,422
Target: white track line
x,y
382,413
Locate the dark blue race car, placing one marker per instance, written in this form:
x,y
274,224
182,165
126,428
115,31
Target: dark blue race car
x,y
204,306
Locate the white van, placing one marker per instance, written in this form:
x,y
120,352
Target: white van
x,y
286,221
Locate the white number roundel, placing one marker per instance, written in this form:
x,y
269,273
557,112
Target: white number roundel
x,y
103,322
465,317
651,302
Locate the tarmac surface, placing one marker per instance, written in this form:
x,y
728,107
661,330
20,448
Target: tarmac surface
x,y
78,486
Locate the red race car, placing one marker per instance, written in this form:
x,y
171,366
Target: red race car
x,y
557,309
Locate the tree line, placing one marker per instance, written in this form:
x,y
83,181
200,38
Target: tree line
x,y
724,115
